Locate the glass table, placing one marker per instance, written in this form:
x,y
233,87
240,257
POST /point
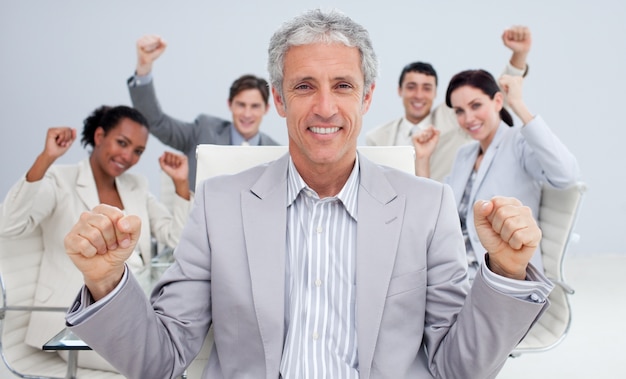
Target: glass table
x,y
66,340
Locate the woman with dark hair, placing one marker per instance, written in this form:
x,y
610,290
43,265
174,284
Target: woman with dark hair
x,y
503,160
52,197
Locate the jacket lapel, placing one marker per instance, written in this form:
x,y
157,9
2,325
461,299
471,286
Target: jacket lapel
x,y
466,166
380,219
264,212
86,185
490,154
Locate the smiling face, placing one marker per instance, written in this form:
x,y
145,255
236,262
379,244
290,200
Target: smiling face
x,y
477,113
248,109
323,102
418,91
119,149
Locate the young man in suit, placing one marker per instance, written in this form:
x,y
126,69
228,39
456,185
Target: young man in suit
x,y
417,87
321,264
248,101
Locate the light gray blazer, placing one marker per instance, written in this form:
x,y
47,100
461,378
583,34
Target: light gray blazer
x,y
518,162
55,204
412,316
180,135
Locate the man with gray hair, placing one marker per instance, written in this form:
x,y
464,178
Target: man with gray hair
x,y
355,271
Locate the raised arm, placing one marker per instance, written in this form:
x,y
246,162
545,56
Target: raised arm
x,y
512,88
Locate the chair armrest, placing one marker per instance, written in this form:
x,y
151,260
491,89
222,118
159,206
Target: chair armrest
x,y
566,287
4,309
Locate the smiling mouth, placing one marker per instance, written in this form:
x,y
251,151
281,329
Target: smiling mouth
x,y
318,130
120,165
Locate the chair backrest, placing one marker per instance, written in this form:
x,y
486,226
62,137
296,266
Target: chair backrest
x,y
227,159
20,260
557,218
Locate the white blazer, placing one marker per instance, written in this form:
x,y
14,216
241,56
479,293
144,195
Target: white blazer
x,y
519,161
55,203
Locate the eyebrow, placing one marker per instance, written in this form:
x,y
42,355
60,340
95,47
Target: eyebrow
x,y
348,78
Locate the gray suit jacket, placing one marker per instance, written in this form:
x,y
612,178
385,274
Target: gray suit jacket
x,y
180,135
414,316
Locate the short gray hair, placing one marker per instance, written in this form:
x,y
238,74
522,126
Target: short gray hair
x,y
315,26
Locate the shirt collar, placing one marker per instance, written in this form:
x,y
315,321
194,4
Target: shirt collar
x,y
408,128
347,195
237,139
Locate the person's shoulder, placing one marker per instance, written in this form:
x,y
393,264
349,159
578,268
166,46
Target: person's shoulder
x,y
380,134
407,182
64,171
444,119
266,140
245,179
384,127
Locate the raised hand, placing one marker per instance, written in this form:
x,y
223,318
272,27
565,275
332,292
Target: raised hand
x,y
99,244
176,167
58,141
424,141
149,48
510,234
518,39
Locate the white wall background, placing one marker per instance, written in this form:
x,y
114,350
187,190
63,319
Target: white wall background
x,y
61,59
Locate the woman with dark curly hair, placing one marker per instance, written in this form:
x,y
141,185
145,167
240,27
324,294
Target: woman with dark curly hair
x,y
52,197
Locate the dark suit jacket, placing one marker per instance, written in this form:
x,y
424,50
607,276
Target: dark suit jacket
x,y
181,135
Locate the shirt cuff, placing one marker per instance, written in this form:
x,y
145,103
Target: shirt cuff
x,y
535,288
139,80
84,306
509,69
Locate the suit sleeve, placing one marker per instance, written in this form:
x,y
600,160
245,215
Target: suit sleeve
x,y
26,205
177,134
456,325
545,157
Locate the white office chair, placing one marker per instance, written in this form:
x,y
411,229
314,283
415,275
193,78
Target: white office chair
x,y
557,217
19,269
216,160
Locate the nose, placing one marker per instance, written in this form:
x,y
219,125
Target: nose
x,y
247,111
468,118
325,104
127,155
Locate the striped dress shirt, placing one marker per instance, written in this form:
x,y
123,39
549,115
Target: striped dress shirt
x,y
320,288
